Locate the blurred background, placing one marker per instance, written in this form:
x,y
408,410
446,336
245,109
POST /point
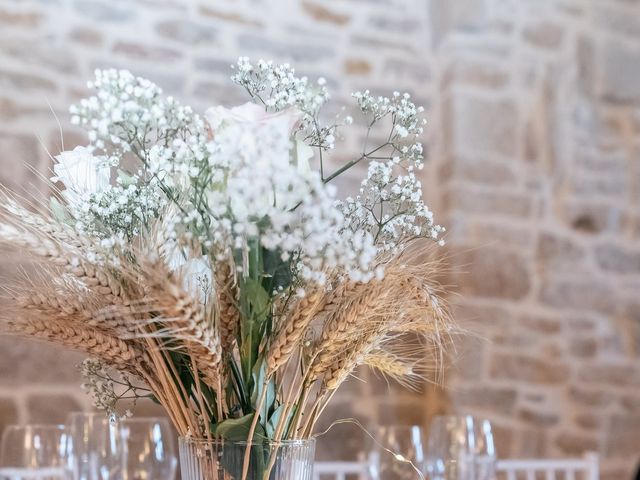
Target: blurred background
x,y
533,147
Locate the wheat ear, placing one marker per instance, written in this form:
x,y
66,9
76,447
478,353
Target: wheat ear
x,y
183,314
229,316
295,325
122,354
361,301
68,258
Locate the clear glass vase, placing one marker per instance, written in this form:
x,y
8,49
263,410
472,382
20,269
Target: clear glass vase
x,y
226,460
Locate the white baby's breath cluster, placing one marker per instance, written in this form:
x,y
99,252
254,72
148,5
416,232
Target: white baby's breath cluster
x,y
99,385
389,203
243,178
106,387
277,88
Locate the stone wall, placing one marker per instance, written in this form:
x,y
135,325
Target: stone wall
x,y
540,175
533,144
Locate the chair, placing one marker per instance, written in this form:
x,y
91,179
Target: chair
x,y
339,471
585,468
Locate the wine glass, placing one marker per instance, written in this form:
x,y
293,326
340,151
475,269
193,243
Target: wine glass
x,y
133,449
461,448
94,446
34,452
149,449
397,453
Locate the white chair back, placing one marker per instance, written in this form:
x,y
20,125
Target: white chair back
x,y
339,471
585,468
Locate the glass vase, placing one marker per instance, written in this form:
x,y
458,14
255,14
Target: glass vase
x,y
226,460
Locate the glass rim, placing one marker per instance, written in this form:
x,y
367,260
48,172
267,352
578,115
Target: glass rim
x,y
244,443
37,426
155,418
143,420
453,416
396,427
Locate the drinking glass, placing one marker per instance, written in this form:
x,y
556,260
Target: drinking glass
x,y
34,452
397,453
149,449
460,448
94,446
133,449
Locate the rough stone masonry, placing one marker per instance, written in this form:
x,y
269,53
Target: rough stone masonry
x,y
533,143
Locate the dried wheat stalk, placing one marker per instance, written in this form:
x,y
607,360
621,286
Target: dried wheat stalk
x,y
122,354
294,327
229,316
186,319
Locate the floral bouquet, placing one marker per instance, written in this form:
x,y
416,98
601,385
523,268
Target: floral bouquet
x,y
207,263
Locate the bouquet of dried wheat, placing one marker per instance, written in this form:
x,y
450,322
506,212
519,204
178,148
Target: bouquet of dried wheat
x,y
206,262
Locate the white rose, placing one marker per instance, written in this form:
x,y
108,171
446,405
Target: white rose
x,y
196,273
81,173
304,153
197,277
225,121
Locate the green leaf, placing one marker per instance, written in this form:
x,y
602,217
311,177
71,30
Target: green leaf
x,y
237,429
257,298
125,179
58,210
272,424
259,376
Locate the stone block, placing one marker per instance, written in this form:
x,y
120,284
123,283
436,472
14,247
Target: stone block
x,y
406,71
469,200
537,418
485,398
476,72
86,36
544,34
540,324
593,218
51,408
493,273
344,442
231,16
631,404
24,362
617,20
187,32
8,413
556,251
479,171
617,259
611,185
357,66
589,421
483,126
17,151
105,11
583,347
578,293
19,18
575,444
623,436
25,82
147,52
619,375
617,71
447,17
321,13
396,411
404,25
520,368
284,50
